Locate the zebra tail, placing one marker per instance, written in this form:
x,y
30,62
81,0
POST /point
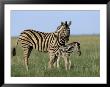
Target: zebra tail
x,y
14,51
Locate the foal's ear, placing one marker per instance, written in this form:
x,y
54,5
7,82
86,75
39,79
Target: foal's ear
x,y
76,43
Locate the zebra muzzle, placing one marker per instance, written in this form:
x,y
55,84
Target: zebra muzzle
x,y
79,52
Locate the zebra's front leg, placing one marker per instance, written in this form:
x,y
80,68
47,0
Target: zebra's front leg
x,y
66,59
58,62
51,60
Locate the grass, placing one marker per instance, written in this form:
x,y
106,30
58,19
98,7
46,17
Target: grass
x,y
86,65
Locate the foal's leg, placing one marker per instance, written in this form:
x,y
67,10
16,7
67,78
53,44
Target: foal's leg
x,y
66,59
69,64
55,61
55,64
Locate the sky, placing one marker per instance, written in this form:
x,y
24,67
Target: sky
x,y
83,22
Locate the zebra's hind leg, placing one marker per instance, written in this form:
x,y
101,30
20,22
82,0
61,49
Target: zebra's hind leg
x,y
27,51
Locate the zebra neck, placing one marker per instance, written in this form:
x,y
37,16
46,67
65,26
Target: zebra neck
x,y
61,42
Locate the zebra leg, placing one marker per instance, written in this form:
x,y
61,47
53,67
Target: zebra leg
x,y
69,64
27,52
66,59
55,61
55,64
51,60
50,63
58,62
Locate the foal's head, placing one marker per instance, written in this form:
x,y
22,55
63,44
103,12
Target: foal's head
x,y
76,47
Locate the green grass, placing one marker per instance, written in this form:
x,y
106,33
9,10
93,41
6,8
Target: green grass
x,y
86,65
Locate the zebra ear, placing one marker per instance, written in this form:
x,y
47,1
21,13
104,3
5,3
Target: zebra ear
x,y
65,22
69,23
78,43
62,23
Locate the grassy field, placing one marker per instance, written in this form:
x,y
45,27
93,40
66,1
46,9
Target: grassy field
x,y
86,65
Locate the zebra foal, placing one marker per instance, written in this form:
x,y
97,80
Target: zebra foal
x,y
65,52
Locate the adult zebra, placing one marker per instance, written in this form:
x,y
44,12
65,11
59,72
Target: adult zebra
x,y
45,42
